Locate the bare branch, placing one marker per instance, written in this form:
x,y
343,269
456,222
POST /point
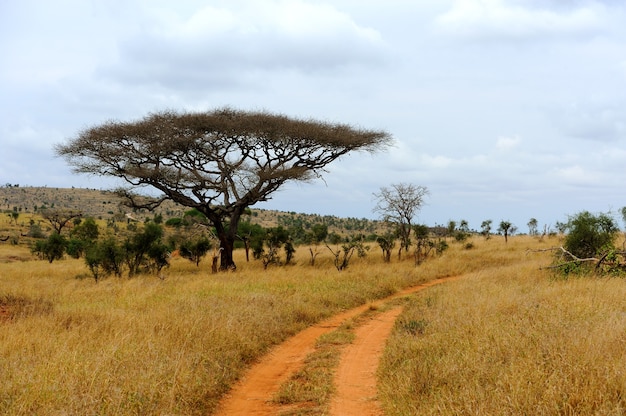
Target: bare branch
x,y
576,260
59,217
562,249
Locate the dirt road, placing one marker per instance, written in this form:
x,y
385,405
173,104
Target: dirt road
x,y
355,379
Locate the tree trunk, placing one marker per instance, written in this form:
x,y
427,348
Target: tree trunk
x,y
246,243
226,256
226,235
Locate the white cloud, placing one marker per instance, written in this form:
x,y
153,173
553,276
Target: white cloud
x,y
502,19
435,162
603,122
236,44
475,123
578,175
507,143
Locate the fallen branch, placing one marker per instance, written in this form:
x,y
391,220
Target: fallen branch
x,y
576,259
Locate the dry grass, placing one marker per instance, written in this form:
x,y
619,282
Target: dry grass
x,y
505,340
147,346
510,341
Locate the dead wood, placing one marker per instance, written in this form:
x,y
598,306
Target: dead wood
x,y
575,259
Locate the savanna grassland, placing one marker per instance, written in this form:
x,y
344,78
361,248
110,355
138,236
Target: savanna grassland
x,y
152,346
510,340
507,338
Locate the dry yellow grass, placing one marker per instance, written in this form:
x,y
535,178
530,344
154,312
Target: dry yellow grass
x,y
173,346
509,341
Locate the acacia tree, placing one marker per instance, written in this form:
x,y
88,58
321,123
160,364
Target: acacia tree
x,y
485,229
399,204
218,162
59,217
506,228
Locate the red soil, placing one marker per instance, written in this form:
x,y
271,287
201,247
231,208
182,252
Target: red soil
x,y
355,379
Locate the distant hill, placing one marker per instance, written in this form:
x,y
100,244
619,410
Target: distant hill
x,y
102,204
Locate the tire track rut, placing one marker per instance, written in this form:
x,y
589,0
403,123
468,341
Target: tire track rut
x,y
252,395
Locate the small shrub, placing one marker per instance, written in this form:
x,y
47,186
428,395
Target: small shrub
x,y
414,327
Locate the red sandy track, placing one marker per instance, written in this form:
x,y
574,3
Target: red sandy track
x,y
355,379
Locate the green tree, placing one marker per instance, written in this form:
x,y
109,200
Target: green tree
x,y
53,248
82,236
218,162
87,230
386,242
158,257
590,235
462,232
249,232
485,229
318,233
424,244
195,249
139,245
533,226
105,257
34,230
505,228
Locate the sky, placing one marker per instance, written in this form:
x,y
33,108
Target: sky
x,y
504,109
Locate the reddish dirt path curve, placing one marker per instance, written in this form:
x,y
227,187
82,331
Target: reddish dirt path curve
x,y
253,393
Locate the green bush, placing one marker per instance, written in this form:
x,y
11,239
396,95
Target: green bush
x,y
590,235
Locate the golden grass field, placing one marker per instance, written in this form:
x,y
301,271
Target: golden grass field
x,y
508,338
510,341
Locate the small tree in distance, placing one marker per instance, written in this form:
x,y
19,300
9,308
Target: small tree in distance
x,y
505,228
194,249
386,242
399,204
59,217
485,229
318,233
53,248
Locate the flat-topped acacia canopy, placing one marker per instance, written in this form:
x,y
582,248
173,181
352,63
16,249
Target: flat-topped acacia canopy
x,y
219,162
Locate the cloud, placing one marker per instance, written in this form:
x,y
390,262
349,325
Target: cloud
x,y
488,127
599,122
507,143
516,20
577,175
229,45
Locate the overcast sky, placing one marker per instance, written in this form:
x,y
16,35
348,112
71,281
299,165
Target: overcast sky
x,y
503,109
